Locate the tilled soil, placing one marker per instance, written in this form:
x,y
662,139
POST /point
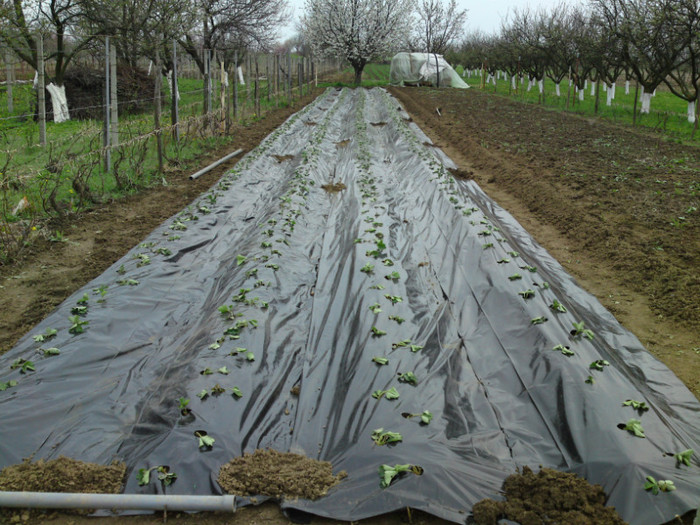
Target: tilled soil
x,y
618,207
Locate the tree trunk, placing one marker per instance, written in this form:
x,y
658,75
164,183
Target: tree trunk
x,y
358,73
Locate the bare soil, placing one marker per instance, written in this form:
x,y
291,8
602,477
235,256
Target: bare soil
x,y
278,474
548,497
604,200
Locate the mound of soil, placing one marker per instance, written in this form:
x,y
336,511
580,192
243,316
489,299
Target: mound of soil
x,y
549,496
63,475
278,474
334,187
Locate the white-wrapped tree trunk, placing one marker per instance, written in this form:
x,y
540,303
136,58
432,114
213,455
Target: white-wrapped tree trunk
x,y
592,89
611,94
581,94
627,87
59,102
691,112
646,102
605,87
513,82
540,85
558,89
585,84
241,80
529,85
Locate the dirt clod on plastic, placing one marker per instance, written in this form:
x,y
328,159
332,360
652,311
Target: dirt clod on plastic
x,y
278,474
63,475
334,187
549,496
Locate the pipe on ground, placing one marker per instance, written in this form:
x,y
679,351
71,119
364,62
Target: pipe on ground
x,y
59,500
215,164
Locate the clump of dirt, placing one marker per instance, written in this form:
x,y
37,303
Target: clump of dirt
x,y
278,474
334,187
378,124
309,122
461,174
549,496
63,475
281,158
342,144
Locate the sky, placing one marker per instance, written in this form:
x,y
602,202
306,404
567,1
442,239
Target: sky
x,y
484,15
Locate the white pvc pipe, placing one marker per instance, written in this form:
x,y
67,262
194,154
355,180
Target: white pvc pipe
x,y
57,500
215,164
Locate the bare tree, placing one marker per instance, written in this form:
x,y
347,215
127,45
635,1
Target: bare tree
x,y
357,30
438,26
651,45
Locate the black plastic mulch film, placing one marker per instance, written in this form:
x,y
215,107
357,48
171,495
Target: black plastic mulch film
x,y
309,276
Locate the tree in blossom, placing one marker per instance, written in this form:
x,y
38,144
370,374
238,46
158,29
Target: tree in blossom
x,y
357,30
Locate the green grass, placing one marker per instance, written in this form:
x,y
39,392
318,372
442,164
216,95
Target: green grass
x,y
374,75
668,112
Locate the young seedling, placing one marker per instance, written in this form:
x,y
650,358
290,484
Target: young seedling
x,y
24,366
392,393
79,310
182,406
388,262
556,306
564,350
241,259
487,245
598,364
514,254
503,261
639,406
396,318
408,377
590,380
143,258
531,269
367,268
527,294
130,282
663,485
515,277
380,360
217,390
683,458
205,441
393,276
375,308
101,290
401,344
381,437
634,426
164,475
48,334
394,298
377,287
223,370
83,300
9,384
48,352
236,392
77,324
273,266
415,348
121,270
387,473
581,331
376,332
538,320
206,372
203,394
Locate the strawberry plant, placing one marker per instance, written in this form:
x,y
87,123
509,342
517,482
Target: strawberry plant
x,y
183,403
24,366
556,306
77,324
598,364
408,377
393,276
9,384
683,458
392,393
565,350
236,392
396,318
400,344
164,475
375,308
130,282
380,360
48,334
241,259
376,332
205,441
382,437
48,352
639,406
634,426
580,330
394,298
538,320
663,485
527,294
515,277
388,474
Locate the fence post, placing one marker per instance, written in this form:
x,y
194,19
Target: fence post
x,y
289,78
107,137
208,53
235,85
40,87
267,76
9,74
257,90
156,115
174,111
114,113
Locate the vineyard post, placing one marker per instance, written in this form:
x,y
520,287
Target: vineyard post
x,y
108,153
257,89
9,73
40,88
289,78
235,85
174,112
156,114
113,108
267,76
634,108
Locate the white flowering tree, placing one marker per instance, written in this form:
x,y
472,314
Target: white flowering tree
x,y
357,30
